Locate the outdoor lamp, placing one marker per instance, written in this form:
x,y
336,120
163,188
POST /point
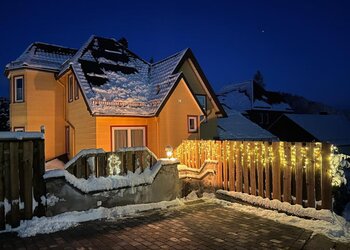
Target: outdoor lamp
x,y
169,151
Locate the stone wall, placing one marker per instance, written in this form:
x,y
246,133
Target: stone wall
x,y
166,186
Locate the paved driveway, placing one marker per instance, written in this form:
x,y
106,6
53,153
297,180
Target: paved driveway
x,y
196,226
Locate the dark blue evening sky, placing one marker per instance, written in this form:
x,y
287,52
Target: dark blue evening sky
x,y
301,47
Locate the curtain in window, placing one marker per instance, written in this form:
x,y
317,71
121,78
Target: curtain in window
x,y
19,90
137,138
120,139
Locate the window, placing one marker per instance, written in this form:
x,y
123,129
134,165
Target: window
x,y
70,88
76,90
18,129
128,137
202,99
192,124
18,89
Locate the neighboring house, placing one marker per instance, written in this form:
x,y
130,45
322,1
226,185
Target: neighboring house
x,y
254,102
333,129
105,96
238,127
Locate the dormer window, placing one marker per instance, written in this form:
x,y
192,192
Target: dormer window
x,y
18,89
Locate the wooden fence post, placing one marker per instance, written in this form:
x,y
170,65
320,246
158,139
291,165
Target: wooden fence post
x,y
231,166
287,173
252,164
245,168
299,175
310,176
15,215
39,188
267,170
238,167
2,187
260,170
219,159
276,172
224,160
28,177
326,177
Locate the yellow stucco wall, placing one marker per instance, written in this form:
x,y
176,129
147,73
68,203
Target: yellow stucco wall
x,y
105,123
209,128
43,105
173,128
82,124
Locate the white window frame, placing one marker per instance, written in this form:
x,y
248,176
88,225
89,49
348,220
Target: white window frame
x,y
195,119
143,128
15,88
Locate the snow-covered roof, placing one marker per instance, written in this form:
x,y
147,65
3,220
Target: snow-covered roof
x,y
115,81
238,127
334,129
251,96
42,56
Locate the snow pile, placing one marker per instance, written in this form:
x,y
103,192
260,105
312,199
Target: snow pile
x,y
298,210
338,229
93,184
45,225
50,200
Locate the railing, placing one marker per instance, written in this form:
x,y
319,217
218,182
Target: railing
x,y
298,173
22,187
110,163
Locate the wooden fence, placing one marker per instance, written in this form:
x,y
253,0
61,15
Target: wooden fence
x,y
298,173
22,166
131,159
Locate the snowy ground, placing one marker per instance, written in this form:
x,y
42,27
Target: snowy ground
x,y
336,229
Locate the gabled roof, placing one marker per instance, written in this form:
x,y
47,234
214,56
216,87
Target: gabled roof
x,y
251,96
42,56
114,80
238,127
334,129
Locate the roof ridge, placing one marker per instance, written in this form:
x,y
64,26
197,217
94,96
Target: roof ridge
x,y
173,55
53,45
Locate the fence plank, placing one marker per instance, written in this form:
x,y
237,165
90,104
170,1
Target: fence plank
x,y
238,167
245,168
298,175
267,171
260,170
2,187
219,159
39,188
224,159
252,163
7,174
287,174
276,173
28,177
231,166
326,177
310,182
15,214
101,164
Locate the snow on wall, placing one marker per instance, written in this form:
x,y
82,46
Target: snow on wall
x,y
93,184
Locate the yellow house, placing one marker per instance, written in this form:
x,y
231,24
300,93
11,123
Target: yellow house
x,y
105,96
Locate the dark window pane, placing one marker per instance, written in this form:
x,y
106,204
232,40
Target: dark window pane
x,y
120,139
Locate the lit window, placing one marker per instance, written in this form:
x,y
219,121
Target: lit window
x,y
128,137
18,129
192,124
18,89
70,88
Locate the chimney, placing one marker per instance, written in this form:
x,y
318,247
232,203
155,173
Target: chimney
x,y
123,42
